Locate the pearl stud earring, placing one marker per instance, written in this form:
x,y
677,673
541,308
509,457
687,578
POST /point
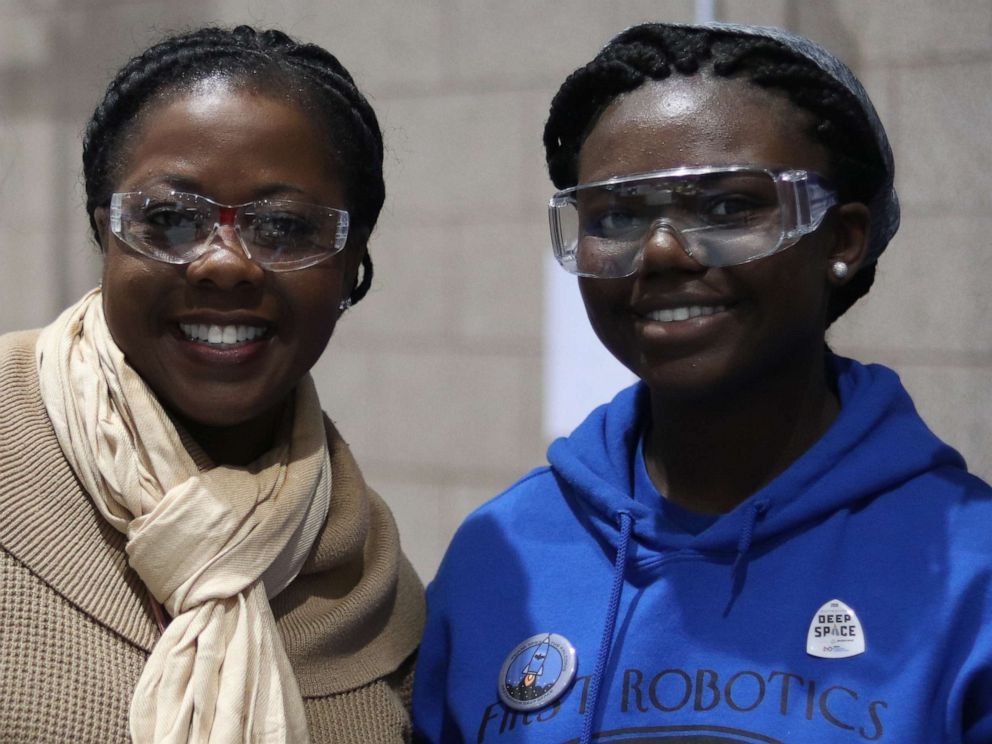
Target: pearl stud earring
x,y
839,269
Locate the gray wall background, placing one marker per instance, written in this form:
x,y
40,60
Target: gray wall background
x,y
435,379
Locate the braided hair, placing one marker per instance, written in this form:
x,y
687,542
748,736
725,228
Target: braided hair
x,y
653,51
270,59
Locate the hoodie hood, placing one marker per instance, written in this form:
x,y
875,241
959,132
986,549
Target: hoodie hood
x,y
876,443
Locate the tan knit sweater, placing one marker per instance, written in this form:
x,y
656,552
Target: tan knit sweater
x,y
76,625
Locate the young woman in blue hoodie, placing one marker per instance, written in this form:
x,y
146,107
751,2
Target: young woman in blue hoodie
x,y
760,541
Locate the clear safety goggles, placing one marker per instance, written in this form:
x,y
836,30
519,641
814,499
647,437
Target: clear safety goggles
x,y
178,228
722,216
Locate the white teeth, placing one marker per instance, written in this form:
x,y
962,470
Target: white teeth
x,y
684,313
216,334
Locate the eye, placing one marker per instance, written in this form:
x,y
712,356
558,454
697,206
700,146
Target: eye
x,y
734,208
168,216
613,223
273,228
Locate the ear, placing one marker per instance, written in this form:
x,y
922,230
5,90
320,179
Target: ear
x,y
853,226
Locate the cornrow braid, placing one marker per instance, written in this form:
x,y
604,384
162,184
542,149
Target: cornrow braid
x,y
653,51
267,58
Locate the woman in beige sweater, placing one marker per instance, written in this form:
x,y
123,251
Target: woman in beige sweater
x,y
188,552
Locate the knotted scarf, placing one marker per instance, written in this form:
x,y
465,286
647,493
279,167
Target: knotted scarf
x,y
211,545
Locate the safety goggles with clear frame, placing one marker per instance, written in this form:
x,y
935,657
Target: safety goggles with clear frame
x,y
721,215
178,228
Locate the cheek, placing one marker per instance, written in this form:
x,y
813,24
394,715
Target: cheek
x,y
132,289
313,298
122,270
599,298
607,302
791,294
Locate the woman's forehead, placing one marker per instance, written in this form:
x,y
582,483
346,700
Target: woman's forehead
x,y
699,120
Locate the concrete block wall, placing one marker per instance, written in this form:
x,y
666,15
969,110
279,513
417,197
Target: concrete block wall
x,y
928,66
435,379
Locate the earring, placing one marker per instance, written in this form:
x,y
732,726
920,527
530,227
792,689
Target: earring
x,y
344,304
839,269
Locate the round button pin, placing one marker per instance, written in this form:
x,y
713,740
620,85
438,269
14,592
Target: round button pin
x,y
537,672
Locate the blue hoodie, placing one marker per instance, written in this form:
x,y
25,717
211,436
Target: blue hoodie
x,y
689,629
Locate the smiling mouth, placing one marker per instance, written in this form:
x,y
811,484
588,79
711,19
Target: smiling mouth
x,y
223,335
669,315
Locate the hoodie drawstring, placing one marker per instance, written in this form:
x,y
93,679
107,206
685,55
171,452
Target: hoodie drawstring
x,y
739,572
606,644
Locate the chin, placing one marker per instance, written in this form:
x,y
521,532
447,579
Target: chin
x,y
227,410
681,390
691,378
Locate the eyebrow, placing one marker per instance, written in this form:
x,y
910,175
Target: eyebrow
x,y
178,183
183,183
279,187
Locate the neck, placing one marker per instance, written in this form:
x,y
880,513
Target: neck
x,y
236,444
708,455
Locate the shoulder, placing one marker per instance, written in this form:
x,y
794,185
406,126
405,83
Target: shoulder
x,y
20,397
944,514
22,414
510,524
19,340
538,490
968,503
17,358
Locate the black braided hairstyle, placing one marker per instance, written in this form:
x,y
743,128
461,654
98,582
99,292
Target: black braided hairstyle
x,y
270,60
653,51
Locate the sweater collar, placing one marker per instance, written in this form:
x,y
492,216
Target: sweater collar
x,y
353,615
48,522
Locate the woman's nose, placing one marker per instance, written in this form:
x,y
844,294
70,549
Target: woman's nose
x,y
663,247
226,263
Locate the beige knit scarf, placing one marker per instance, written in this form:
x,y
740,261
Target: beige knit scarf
x,y
211,545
